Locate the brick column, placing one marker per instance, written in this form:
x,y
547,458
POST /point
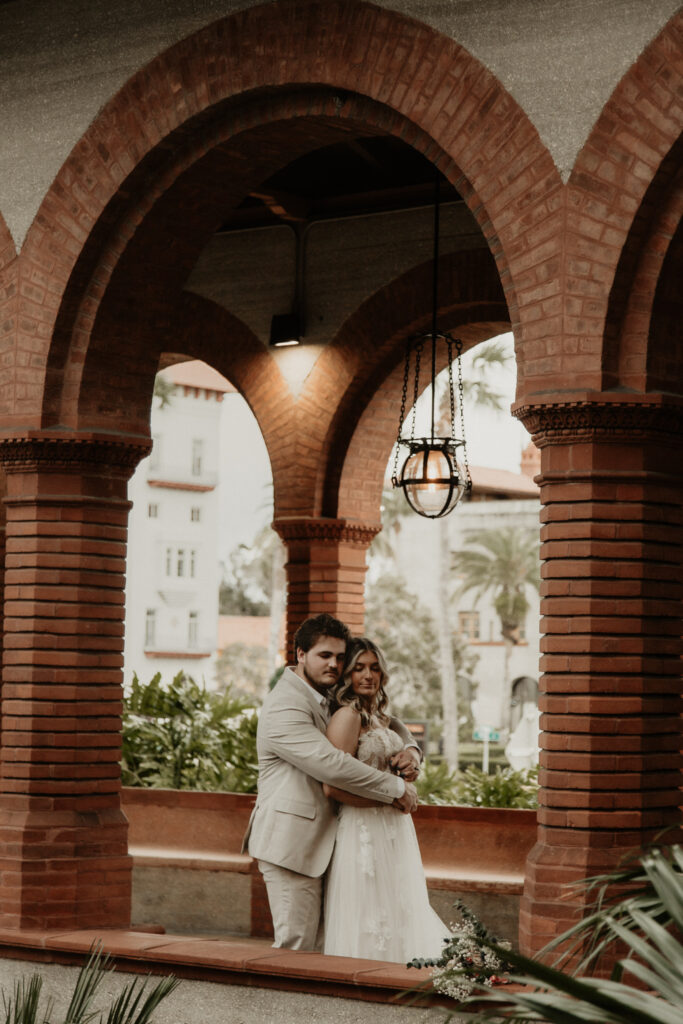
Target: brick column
x,y
611,490
63,852
325,570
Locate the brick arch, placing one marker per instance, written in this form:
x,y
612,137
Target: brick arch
x,y
8,285
621,181
193,327
647,359
353,48
365,364
8,250
665,352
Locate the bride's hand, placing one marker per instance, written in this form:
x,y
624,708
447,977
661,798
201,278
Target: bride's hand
x,y
406,764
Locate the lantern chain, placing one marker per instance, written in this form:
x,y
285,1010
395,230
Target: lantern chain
x,y
449,342
404,399
416,390
458,346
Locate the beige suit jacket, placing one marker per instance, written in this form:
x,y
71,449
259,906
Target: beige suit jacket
x,y
293,824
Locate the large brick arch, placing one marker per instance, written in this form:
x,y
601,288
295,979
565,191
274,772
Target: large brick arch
x,y
134,151
193,327
622,185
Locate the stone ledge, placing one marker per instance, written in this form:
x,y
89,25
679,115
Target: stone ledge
x,y
246,962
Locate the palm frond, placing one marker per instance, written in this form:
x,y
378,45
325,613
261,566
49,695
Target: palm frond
x,y
89,979
135,1004
646,923
23,1005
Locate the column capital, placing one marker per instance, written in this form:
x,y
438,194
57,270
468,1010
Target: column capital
x,y
336,530
585,417
65,451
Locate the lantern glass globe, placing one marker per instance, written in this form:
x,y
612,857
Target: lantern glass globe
x,y
432,481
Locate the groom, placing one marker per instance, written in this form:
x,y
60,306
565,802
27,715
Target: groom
x,y
292,827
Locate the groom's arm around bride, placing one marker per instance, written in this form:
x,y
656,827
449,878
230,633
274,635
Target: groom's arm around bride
x,y
292,828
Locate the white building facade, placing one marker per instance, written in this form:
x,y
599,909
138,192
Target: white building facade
x,y
173,571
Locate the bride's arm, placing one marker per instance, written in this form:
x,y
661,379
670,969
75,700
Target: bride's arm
x,y
343,731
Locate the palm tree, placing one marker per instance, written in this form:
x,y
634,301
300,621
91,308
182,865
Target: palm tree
x,y
504,562
163,390
478,391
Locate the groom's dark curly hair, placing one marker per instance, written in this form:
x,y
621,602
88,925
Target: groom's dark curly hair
x,y
310,631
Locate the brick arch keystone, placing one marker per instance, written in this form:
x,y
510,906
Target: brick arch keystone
x,y
498,163
620,179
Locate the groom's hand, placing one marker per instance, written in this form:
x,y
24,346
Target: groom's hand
x,y
408,802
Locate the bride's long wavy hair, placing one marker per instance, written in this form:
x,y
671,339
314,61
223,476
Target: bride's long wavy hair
x,y
342,694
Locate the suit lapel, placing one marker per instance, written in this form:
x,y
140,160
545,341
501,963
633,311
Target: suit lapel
x,y
302,690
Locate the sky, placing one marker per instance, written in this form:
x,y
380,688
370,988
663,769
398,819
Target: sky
x,y
493,439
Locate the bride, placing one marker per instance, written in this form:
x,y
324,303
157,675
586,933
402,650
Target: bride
x,y
376,903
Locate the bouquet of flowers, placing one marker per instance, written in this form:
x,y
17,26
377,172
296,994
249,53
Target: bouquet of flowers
x,y
467,960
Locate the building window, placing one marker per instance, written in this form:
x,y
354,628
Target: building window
x,y
150,627
195,515
180,562
197,457
193,629
152,510
468,625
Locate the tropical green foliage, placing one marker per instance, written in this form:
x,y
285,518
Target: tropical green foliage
x,y
646,987
243,669
506,562
436,784
477,385
405,630
185,737
503,788
248,577
134,1005
164,390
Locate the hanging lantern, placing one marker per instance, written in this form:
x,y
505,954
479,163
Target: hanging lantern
x,y
431,478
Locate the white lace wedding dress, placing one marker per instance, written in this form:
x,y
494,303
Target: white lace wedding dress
x,y
376,903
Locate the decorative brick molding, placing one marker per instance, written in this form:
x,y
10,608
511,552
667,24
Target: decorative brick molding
x,y
337,530
69,452
603,417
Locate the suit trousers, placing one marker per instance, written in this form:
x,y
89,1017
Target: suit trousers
x,y
295,905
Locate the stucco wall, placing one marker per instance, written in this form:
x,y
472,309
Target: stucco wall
x,y
62,61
